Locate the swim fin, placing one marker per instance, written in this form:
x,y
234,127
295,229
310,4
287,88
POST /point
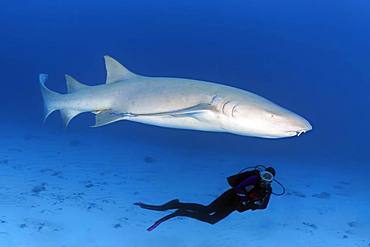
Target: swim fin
x,y
165,218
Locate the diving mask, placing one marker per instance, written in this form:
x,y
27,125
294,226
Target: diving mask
x,y
266,176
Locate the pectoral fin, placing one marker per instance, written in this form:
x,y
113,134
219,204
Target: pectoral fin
x,y
184,112
107,116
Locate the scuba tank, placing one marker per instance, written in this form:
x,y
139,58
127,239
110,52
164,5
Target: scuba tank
x,y
236,179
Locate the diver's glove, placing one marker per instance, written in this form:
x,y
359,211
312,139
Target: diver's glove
x,y
254,205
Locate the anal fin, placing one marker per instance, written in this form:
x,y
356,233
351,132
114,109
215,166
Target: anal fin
x,y
67,115
106,117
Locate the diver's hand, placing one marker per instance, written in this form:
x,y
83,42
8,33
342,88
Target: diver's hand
x,y
253,205
258,203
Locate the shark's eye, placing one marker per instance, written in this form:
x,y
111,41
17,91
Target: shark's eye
x,y
270,114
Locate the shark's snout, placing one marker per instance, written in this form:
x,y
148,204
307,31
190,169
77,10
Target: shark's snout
x,y
300,126
305,125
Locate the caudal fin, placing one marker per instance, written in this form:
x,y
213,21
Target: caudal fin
x,y
53,100
50,97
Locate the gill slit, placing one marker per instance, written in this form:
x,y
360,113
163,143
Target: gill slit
x,y
223,106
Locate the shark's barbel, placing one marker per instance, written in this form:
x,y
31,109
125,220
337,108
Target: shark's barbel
x,y
173,102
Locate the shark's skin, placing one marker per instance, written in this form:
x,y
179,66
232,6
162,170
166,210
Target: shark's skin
x,y
175,103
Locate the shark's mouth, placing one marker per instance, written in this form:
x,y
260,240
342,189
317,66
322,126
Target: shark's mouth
x,y
297,132
300,132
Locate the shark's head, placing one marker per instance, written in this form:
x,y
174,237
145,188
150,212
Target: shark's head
x,y
256,116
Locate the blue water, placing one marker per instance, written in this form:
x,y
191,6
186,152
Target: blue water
x,y
311,57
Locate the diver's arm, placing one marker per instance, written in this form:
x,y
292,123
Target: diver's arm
x,y
248,182
244,187
265,201
262,204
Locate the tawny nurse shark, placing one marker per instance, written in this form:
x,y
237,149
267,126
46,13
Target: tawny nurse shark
x,y
174,103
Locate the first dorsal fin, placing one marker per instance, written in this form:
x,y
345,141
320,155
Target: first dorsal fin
x,y
116,71
73,85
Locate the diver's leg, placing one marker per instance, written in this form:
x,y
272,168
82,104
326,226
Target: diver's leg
x,y
223,200
193,207
205,217
174,204
168,205
220,214
220,208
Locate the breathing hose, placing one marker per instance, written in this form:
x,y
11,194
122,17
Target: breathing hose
x,y
258,167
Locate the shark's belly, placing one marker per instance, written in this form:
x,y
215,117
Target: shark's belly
x,y
204,121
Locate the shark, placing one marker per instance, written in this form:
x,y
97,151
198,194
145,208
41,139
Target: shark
x,y
173,103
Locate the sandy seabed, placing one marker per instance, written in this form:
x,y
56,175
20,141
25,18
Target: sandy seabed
x,y
71,190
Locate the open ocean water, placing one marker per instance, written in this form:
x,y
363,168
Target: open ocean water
x,y
75,186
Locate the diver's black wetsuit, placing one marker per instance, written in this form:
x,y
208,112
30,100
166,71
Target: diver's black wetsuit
x,y
234,199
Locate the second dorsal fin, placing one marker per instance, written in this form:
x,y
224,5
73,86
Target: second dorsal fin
x,y
116,71
73,85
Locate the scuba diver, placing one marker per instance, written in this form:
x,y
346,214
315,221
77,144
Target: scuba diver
x,y
250,190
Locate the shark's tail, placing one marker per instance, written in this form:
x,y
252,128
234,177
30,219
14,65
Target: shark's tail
x,y
50,97
55,101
